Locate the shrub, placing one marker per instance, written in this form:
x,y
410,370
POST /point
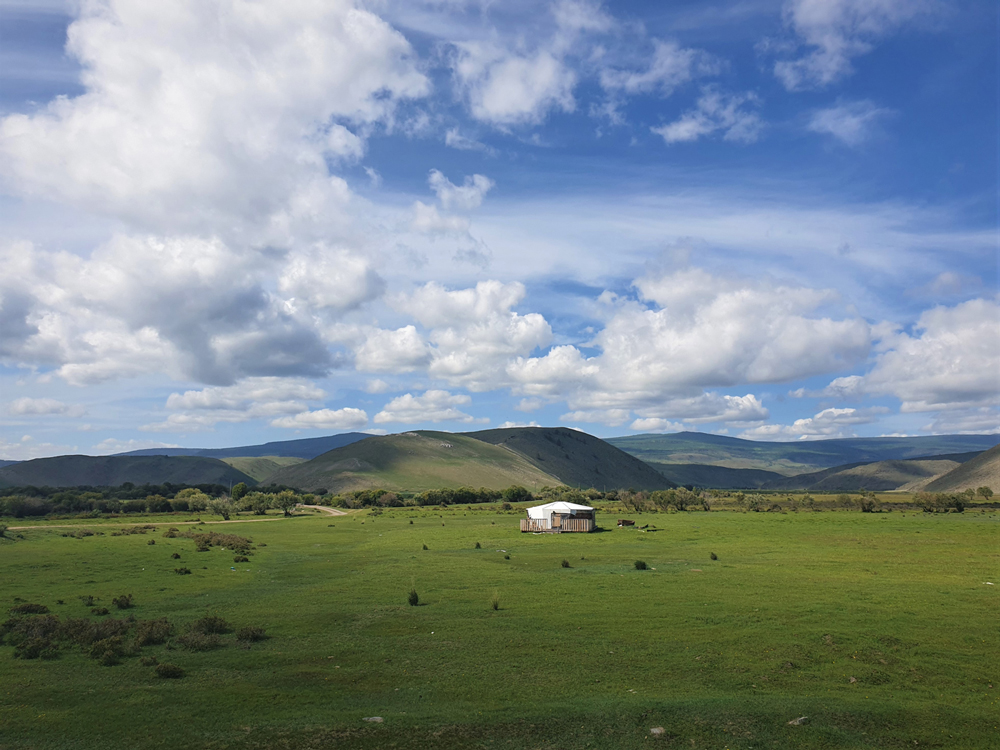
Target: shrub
x,y
241,558
425,546
3,530
506,557
151,541
175,556
123,602
565,563
169,671
714,556
195,641
36,648
171,533
152,632
149,661
495,600
413,598
182,571
251,634
88,601
29,609
411,522
506,506
641,565
478,545
99,611
210,624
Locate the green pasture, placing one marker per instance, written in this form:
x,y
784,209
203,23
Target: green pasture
x,y
720,654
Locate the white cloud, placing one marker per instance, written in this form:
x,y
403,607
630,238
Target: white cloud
x,y
428,220
196,112
454,139
708,407
716,111
669,67
114,445
24,407
505,88
950,362
324,419
463,198
985,419
845,388
851,123
655,424
829,423
402,350
508,425
377,386
252,398
27,448
837,31
611,417
431,406
324,278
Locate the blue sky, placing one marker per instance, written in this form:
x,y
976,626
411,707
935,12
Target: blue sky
x,y
231,222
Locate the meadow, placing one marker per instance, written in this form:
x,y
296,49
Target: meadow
x,y
880,628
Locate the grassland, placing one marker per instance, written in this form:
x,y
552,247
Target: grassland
x,y
721,654
261,467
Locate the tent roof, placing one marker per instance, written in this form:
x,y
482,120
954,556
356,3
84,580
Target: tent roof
x,y
560,507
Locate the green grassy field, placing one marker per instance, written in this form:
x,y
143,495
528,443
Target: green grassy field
x,y
721,654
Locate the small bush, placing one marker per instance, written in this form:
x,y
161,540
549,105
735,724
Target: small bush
x,y
506,557
495,601
241,558
99,611
182,571
210,624
506,506
88,601
149,661
29,609
251,634
36,648
151,541
478,545
714,556
565,563
3,530
411,522
195,641
175,556
123,602
425,546
152,632
641,565
413,597
169,671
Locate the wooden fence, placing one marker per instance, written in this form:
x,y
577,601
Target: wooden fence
x,y
568,525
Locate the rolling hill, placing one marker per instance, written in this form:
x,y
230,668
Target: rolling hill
x,y
263,467
790,458
981,471
414,461
111,471
305,448
878,476
576,458
707,476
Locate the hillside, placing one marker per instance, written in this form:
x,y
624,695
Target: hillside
x,y
880,476
982,471
576,458
414,461
263,467
707,476
790,458
305,448
111,471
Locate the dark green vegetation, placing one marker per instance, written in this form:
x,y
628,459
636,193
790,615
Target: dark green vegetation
x,y
879,476
110,471
576,458
415,461
717,477
304,448
261,468
795,457
982,471
878,627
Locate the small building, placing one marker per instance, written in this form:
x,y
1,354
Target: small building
x,y
559,517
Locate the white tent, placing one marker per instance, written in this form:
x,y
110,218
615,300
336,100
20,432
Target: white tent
x,y
544,512
557,516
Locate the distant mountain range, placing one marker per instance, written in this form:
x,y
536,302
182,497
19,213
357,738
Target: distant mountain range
x,y
536,456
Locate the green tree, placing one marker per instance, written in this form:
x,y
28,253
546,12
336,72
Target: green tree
x,y
286,500
220,507
984,492
238,492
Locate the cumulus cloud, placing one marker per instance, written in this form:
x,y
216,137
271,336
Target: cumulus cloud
x,y
252,398
431,406
951,361
851,123
845,388
39,407
324,419
402,350
836,31
655,424
829,423
732,114
464,197
197,114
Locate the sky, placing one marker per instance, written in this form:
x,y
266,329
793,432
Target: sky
x,y
225,222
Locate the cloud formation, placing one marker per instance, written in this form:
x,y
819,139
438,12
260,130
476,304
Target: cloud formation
x,y
733,115
431,406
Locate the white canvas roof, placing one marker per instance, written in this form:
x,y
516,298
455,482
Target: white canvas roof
x,y
544,511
